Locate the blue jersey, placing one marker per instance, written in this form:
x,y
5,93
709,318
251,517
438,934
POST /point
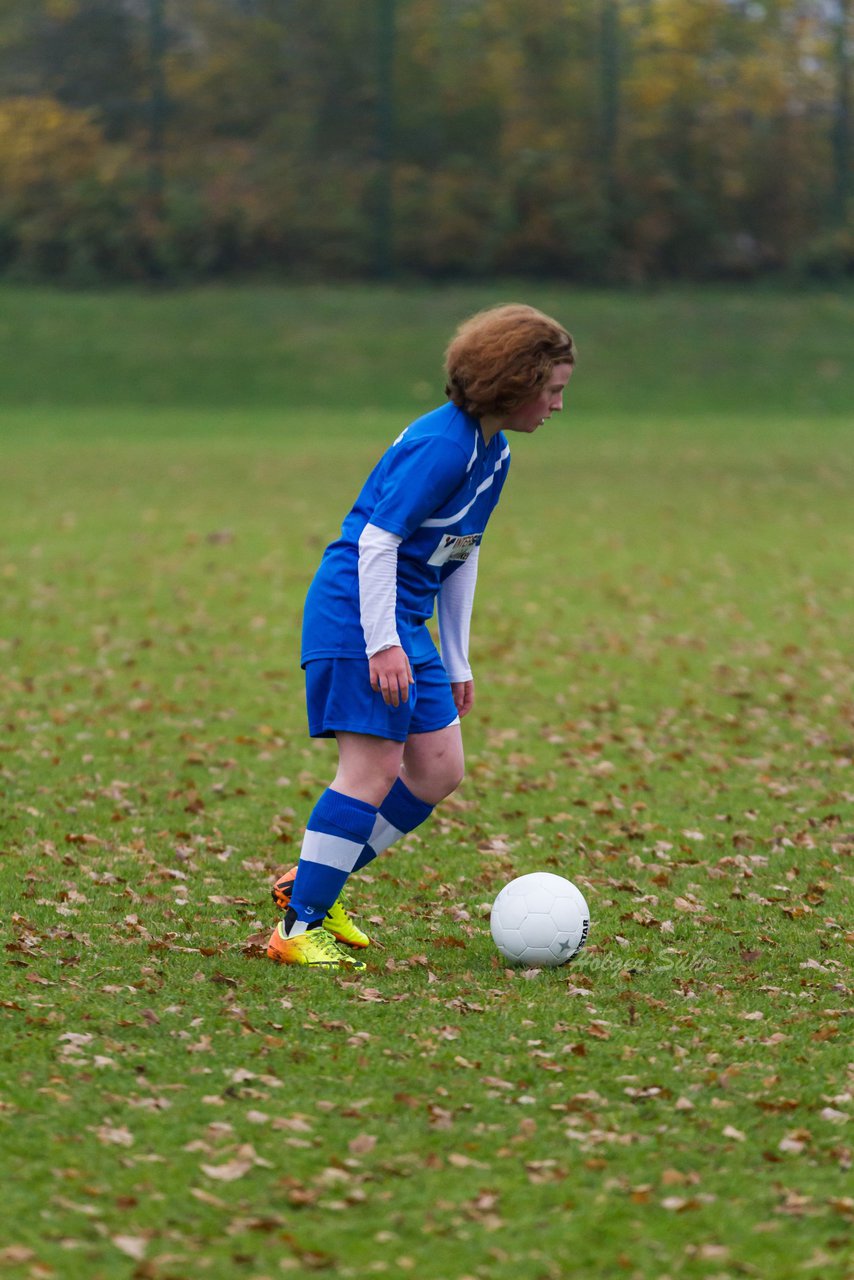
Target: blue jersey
x,y
435,488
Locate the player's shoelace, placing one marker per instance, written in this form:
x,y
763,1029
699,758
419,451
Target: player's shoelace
x,y
325,943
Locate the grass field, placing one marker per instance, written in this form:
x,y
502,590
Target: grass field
x,y
663,643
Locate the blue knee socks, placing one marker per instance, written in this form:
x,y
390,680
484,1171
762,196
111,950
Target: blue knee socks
x,y
400,813
343,835
336,834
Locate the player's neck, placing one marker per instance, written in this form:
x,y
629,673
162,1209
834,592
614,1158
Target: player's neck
x,y
489,427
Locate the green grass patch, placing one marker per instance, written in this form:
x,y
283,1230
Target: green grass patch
x,y
662,651
347,349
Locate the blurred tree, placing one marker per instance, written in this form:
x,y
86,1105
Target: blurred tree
x,y
49,156
843,42
85,53
386,94
626,139
157,102
609,79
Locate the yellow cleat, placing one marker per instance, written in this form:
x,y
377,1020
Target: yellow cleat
x,y
343,927
337,921
315,947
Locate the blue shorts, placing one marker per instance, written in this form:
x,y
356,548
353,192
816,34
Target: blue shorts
x,y
339,697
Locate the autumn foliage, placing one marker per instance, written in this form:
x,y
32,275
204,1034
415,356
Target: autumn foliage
x,y
625,140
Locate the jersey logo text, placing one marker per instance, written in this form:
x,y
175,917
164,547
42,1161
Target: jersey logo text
x,y
454,547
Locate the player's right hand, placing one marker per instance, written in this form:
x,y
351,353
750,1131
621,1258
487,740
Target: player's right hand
x,y
391,675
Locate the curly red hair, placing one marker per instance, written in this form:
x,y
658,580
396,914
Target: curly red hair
x,y
502,357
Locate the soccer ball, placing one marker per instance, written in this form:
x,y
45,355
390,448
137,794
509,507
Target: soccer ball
x,y
539,920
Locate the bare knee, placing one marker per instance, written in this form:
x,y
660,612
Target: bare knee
x,y
434,777
453,779
367,767
371,786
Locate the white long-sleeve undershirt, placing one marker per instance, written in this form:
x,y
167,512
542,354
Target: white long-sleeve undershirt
x,y
378,588
378,601
454,607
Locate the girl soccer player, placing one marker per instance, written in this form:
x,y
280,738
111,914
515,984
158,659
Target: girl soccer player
x,y
374,678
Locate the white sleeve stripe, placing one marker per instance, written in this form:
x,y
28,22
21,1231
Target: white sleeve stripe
x,y
458,515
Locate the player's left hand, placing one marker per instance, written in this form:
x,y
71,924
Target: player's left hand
x,y
463,694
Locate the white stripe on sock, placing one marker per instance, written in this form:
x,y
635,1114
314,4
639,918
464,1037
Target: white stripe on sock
x,y
383,834
330,851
